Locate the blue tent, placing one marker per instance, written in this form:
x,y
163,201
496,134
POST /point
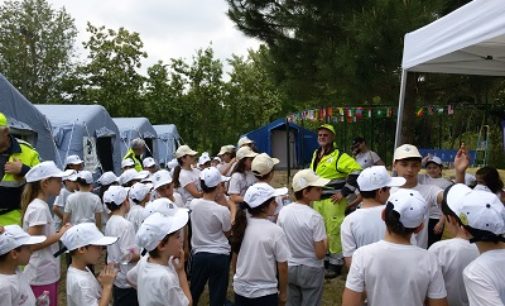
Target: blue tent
x,y
26,122
138,127
85,130
272,139
168,141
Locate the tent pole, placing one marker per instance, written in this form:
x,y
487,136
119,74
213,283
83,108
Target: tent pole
x,y
401,102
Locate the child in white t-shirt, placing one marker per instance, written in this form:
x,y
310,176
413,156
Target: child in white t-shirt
x,y
454,254
14,252
124,252
69,186
139,195
365,225
242,177
85,244
306,236
186,178
163,186
392,271
262,250
43,270
160,277
84,206
211,225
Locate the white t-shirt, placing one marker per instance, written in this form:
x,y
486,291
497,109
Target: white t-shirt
x,y
222,165
83,206
60,201
440,182
239,182
118,226
303,227
485,279
187,177
263,246
453,256
363,226
135,215
367,159
43,268
178,200
83,288
209,221
395,274
15,290
429,193
158,285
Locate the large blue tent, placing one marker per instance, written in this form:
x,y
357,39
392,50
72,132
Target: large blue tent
x,y
168,141
272,139
137,127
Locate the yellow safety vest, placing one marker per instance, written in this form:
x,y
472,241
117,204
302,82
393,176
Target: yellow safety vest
x,y
335,166
131,154
28,156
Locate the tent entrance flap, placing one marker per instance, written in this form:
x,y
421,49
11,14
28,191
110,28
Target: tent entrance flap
x,y
279,148
104,147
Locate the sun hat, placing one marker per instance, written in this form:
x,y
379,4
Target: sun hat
x,y
116,195
127,162
259,193
84,234
73,160
108,178
14,236
86,176
204,158
70,175
245,152
226,149
157,226
377,177
263,164
148,162
161,178
406,151
434,159
212,177
184,150
128,176
411,207
307,178
44,170
139,191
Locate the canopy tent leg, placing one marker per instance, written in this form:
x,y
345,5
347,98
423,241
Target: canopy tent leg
x,y
401,106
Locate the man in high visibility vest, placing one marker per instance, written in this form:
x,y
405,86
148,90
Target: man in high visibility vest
x,y
16,158
136,152
343,170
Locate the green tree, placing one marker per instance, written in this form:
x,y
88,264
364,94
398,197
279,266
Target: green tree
x,y
36,43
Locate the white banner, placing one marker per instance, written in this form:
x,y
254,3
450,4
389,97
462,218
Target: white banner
x,y
91,161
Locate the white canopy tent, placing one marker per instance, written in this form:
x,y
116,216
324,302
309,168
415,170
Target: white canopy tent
x,y
469,40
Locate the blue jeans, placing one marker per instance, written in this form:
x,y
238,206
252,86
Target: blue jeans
x,y
213,268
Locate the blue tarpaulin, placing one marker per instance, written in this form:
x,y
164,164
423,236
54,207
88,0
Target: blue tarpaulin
x,y
168,141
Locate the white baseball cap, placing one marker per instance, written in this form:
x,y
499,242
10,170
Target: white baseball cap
x,y
406,151
142,175
183,151
172,164
108,178
86,176
477,209
245,152
161,205
14,236
436,160
377,177
212,177
70,175
204,158
157,226
263,164
226,149
139,191
148,162
128,176
259,193
411,207
244,141
115,194
84,234
73,160
127,162
307,178
161,178
44,170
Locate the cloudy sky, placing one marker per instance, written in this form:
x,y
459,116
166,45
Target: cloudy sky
x,y
168,28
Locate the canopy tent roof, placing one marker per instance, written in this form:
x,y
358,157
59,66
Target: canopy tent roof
x,y
469,40
168,141
136,127
24,117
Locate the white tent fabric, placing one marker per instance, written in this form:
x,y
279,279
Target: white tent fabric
x,y
469,40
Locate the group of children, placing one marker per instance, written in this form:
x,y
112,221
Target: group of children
x,y
160,227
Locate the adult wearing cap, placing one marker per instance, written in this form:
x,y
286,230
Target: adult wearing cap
x,y
16,159
242,177
363,155
227,154
245,142
330,163
433,176
186,178
136,152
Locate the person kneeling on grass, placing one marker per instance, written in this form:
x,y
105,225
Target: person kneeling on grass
x,y
392,271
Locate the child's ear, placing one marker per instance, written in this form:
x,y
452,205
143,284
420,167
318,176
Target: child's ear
x,y
82,250
419,228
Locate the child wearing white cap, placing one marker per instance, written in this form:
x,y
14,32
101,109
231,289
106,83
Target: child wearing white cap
x,y
242,177
160,277
306,236
14,252
365,225
85,243
74,162
83,205
43,270
483,217
139,195
392,271
69,186
150,165
262,250
454,254
407,163
434,166
127,163
163,186
211,224
124,252
227,163
186,178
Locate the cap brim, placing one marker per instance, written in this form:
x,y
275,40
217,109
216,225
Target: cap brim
x,y
105,240
320,182
225,178
275,160
396,182
281,191
162,183
34,240
180,218
454,195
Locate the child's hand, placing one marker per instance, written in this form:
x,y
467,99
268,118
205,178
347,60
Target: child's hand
x,y
107,276
178,262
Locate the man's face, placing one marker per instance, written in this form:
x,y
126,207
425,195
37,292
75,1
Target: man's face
x,y
324,137
408,168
